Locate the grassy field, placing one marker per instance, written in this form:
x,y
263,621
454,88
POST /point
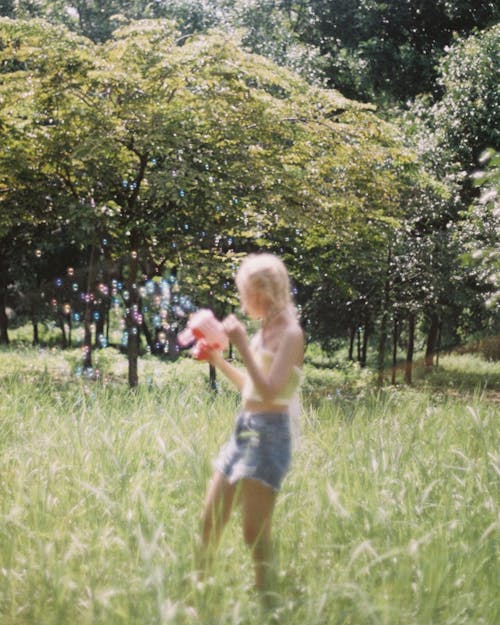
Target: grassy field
x,y
390,515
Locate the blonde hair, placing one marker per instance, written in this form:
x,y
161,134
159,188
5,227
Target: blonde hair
x,y
266,273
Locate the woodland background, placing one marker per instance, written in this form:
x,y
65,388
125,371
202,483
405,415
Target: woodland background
x,y
147,146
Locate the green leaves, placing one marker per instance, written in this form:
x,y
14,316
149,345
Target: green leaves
x,y
192,154
479,232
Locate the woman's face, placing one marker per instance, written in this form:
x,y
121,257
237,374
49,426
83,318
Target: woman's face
x,y
252,302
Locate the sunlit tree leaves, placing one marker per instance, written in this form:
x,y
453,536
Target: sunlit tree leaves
x,y
479,231
183,154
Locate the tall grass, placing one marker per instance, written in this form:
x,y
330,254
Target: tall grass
x,y
390,514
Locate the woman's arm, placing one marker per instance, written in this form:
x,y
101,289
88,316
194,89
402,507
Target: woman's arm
x,y
232,373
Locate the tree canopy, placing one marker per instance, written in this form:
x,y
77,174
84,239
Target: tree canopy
x,y
186,153
138,148
371,50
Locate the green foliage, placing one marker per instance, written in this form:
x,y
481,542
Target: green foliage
x,y
387,51
461,124
450,133
369,50
479,232
468,116
270,29
165,151
192,154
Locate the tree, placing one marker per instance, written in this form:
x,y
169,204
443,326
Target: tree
x,y
165,151
383,51
387,51
450,133
479,232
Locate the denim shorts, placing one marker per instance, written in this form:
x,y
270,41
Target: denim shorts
x,y
259,449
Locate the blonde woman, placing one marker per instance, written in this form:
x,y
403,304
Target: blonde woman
x,y
251,466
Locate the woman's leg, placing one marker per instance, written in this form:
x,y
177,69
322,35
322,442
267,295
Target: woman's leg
x,y
216,512
257,501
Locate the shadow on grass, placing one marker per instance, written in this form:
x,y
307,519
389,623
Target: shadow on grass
x,y
466,381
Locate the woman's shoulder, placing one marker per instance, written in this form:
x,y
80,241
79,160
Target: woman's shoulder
x,y
292,334
294,329
292,340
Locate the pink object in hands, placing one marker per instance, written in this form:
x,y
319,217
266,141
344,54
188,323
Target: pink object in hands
x,y
207,330
200,350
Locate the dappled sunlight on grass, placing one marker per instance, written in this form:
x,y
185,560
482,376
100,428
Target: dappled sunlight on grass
x,y
465,373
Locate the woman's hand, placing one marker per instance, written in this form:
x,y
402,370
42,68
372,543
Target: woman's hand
x,y
235,331
216,358
203,351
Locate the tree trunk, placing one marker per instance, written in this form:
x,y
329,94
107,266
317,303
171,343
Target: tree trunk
x,y
34,309
133,356
69,320
106,297
132,318
36,337
395,336
410,348
383,324
213,378
381,349
99,325
101,307
231,347
107,323
64,339
432,341
173,348
364,348
148,336
4,322
352,336
439,343
87,315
